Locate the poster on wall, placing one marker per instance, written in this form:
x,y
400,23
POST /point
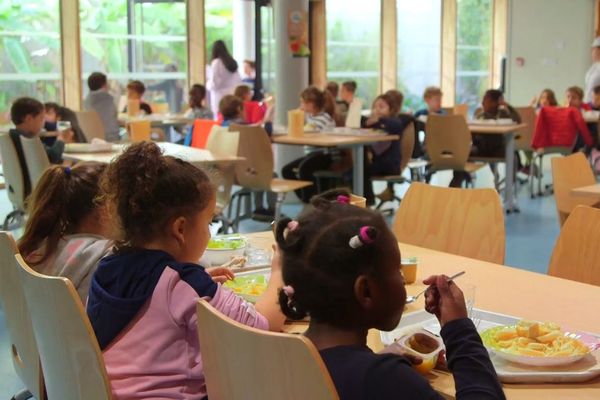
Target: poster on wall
x,y
298,33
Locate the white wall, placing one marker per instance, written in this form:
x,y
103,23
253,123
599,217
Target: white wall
x,y
554,38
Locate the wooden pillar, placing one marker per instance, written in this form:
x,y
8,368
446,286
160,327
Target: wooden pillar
x,y
448,80
196,39
70,46
499,40
318,43
389,47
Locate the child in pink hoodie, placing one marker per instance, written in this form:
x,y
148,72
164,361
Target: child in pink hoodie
x,y
142,301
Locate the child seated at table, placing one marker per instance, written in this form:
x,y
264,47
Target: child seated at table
x,y
546,99
142,300
55,113
68,231
198,109
231,109
493,106
433,101
99,100
253,111
317,106
28,116
135,92
574,98
340,265
383,158
397,97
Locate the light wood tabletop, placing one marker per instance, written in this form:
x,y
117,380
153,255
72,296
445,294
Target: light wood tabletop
x,y
197,157
504,290
587,191
331,139
157,120
492,129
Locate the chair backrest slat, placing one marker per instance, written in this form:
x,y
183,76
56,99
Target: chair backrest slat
x,y
13,173
36,159
448,141
256,171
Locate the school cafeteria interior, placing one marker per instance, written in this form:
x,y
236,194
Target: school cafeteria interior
x,y
299,199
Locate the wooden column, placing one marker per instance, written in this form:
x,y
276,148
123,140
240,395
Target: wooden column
x,y
318,43
448,80
389,47
70,46
499,40
196,39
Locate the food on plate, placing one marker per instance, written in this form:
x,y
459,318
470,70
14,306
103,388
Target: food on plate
x,y
235,263
249,287
226,243
533,339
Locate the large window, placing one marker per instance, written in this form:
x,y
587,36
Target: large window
x,y
419,37
131,39
30,63
268,50
473,47
353,41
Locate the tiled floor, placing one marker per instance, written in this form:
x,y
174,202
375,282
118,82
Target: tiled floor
x,y
531,235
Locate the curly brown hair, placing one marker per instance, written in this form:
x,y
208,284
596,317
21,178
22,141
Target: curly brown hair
x,y
144,190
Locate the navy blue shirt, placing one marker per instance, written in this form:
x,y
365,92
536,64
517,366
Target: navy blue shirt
x,y
360,374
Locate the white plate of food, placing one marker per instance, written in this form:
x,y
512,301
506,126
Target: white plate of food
x,y
538,344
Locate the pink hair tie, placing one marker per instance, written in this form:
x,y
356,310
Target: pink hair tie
x,y
343,199
292,226
366,235
289,291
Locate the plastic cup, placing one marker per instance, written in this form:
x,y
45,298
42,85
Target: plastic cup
x,y
468,290
409,269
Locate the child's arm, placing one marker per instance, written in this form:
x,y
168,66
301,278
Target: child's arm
x,y
268,304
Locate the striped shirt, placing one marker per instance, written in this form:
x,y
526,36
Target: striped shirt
x,y
320,122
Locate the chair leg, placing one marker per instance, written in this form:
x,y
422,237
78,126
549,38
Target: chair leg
x,y
22,395
540,174
278,205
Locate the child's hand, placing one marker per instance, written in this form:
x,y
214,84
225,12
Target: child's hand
x,y
444,300
276,260
220,274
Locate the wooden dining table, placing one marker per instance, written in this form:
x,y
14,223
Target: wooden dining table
x,y
195,156
508,132
157,120
504,290
587,191
331,139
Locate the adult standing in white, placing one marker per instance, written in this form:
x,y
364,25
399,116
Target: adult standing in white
x,y
224,75
592,78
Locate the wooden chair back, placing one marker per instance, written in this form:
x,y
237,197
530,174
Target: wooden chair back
x,y
524,135
568,173
91,124
223,142
256,172
13,173
449,110
462,110
466,222
140,131
576,255
36,158
71,359
239,362
407,145
200,132
21,339
448,141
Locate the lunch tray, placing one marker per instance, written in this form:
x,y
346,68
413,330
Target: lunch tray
x,y
580,371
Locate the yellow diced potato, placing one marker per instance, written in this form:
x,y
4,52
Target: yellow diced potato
x,y
506,334
549,337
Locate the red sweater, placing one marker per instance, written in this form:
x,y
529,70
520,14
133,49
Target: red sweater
x,y
558,127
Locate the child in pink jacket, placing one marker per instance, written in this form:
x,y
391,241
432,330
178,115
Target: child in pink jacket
x,y
142,301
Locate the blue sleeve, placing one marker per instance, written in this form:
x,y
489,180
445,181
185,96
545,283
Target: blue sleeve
x,y
474,374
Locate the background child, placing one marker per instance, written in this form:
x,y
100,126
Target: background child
x,y
254,112
232,110
433,99
135,91
28,116
67,232
314,103
55,113
198,110
547,99
99,100
574,97
384,157
595,104
397,97
348,91
340,265
142,302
